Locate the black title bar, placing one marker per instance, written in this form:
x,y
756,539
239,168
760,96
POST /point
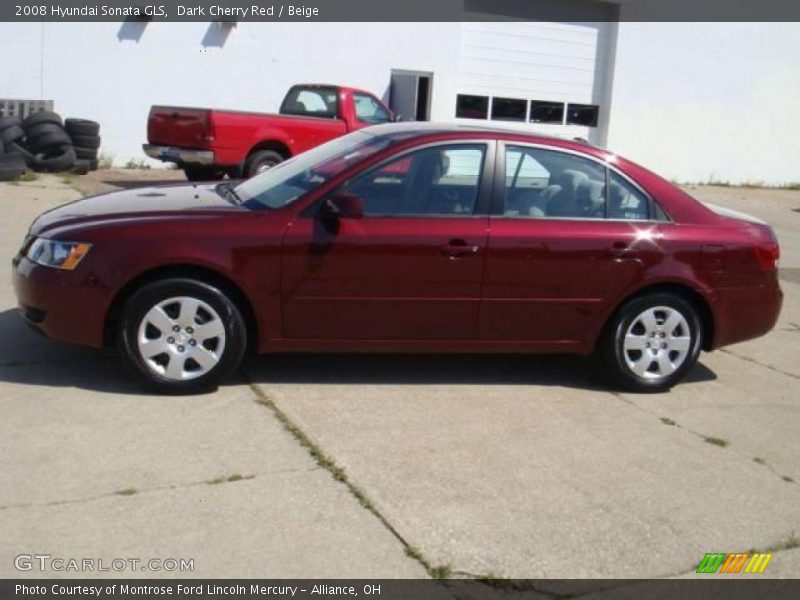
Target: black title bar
x,y
706,588
399,10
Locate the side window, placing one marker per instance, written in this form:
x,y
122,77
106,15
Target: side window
x,y
625,201
370,110
312,102
551,184
436,181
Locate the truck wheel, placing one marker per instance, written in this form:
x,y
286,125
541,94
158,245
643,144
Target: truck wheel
x,y
261,160
195,173
181,335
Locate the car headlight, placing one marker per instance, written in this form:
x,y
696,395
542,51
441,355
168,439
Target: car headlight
x,y
60,255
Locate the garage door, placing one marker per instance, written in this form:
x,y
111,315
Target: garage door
x,y
546,76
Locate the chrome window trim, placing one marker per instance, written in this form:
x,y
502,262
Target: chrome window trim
x,y
501,151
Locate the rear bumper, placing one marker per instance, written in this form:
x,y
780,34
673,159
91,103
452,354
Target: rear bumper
x,y
179,155
64,305
745,313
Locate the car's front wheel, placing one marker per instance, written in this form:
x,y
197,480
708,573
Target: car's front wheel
x,y
652,342
182,335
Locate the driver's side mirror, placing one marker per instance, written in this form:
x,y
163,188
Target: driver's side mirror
x,y
342,205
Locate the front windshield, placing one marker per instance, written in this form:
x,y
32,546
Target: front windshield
x,y
289,180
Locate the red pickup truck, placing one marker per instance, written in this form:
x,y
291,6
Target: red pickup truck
x,y
208,143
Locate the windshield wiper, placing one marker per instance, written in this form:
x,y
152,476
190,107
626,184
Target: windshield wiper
x,y
226,190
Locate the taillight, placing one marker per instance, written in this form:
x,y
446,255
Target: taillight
x,y
768,255
210,134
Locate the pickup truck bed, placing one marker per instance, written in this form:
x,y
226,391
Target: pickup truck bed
x,y
208,143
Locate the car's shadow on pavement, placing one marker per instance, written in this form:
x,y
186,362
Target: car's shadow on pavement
x,y
28,358
437,369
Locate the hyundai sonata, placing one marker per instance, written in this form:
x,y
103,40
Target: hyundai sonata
x,y
405,237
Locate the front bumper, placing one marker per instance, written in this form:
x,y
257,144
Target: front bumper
x,y
69,306
179,155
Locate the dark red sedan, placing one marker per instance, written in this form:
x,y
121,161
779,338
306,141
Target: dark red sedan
x,y
405,237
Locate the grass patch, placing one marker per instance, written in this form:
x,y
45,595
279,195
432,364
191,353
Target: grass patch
x,y
441,572
136,163
760,461
28,176
127,492
66,177
716,441
667,421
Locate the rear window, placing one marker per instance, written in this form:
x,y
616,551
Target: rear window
x,y
312,101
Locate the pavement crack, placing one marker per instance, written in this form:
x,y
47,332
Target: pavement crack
x,y
714,441
338,473
760,364
132,491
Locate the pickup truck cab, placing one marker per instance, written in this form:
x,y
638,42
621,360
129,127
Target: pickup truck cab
x,y
208,143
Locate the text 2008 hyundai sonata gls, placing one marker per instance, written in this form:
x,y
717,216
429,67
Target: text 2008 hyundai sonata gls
x,y
405,237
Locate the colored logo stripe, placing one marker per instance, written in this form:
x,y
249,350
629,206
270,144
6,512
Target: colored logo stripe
x,y
720,562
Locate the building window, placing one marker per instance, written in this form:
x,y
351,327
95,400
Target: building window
x,y
472,107
582,114
547,112
509,109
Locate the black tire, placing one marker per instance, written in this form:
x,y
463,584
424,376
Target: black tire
x,y
615,359
81,167
2,148
81,127
154,371
11,167
43,116
261,160
93,164
86,141
46,140
62,159
17,150
6,122
200,173
86,153
42,128
12,134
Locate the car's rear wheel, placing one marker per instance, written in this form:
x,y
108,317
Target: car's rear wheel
x,y
182,335
652,342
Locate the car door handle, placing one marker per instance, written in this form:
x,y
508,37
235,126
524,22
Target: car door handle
x,y
621,249
459,249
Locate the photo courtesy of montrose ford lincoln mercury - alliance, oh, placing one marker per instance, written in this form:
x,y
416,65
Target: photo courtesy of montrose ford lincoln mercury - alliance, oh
x,y
405,237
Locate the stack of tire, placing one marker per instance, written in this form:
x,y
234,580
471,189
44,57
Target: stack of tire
x,y
42,142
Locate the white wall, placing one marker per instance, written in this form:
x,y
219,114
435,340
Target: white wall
x,y
90,72
692,101
700,101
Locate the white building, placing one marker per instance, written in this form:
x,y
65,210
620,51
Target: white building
x,y
692,101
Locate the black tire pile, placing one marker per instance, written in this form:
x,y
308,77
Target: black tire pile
x,y
43,143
